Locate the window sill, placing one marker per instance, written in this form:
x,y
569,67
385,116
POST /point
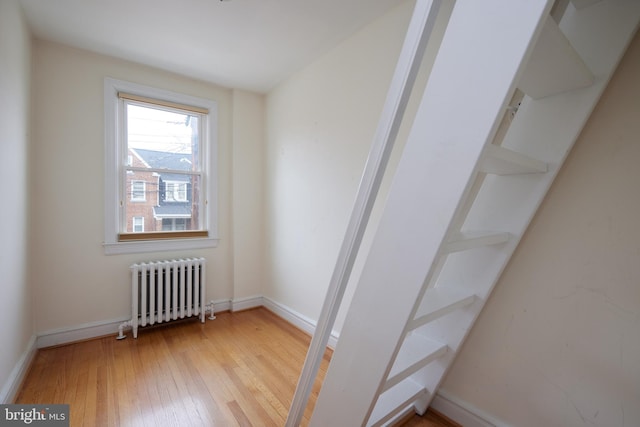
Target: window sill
x,y
133,247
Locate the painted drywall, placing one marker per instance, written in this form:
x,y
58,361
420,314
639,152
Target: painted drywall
x,y
16,313
74,282
557,344
320,126
247,194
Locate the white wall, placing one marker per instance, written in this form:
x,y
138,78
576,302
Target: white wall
x,y
558,343
320,125
248,191
16,314
74,282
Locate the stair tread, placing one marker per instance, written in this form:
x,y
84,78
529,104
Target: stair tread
x,y
474,239
394,400
416,352
554,66
440,301
503,161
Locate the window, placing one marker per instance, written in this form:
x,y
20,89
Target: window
x,y
160,187
138,191
173,224
138,224
175,191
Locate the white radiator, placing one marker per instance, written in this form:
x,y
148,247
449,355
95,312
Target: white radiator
x,y
162,291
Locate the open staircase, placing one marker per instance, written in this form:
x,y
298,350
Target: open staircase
x,y
512,86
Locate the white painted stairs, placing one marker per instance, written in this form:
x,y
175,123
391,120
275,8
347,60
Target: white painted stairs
x,y
508,95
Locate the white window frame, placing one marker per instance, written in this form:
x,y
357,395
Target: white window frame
x,y
176,185
133,226
144,191
116,158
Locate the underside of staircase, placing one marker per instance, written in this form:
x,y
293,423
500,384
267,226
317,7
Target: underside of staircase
x,y
511,88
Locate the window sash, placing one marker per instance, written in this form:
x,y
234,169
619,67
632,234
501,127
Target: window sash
x,y
175,192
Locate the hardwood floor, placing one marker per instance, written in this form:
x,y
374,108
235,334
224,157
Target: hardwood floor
x,y
430,419
238,370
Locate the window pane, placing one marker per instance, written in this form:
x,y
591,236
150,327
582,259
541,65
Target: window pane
x,y
176,224
160,133
160,196
142,195
158,140
179,200
161,139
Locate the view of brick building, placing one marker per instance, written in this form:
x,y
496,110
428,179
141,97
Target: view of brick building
x,y
157,200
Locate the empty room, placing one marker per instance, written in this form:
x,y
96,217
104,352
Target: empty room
x,y
337,213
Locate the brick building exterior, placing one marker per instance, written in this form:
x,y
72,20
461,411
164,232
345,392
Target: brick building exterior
x,y
157,200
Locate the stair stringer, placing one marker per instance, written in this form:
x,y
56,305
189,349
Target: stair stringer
x,y
544,129
435,173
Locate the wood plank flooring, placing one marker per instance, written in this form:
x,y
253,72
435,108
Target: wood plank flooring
x,y
238,370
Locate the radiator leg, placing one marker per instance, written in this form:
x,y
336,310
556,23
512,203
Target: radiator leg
x,y
212,316
123,325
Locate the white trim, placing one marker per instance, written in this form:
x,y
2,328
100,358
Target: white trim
x,y
97,329
107,327
158,245
11,386
247,303
221,305
79,332
463,412
299,320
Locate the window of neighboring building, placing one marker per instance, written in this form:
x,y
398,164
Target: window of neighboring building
x,y
138,224
175,224
175,191
138,191
161,152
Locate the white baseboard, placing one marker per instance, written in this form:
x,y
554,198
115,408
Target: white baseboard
x,y
247,303
79,332
11,386
108,327
463,412
96,329
299,320
221,305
